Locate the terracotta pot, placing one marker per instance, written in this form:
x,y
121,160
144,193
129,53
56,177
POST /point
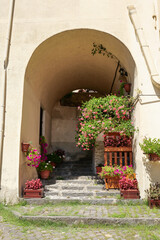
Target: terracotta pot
x,y
154,203
31,193
131,176
25,147
111,182
130,193
45,174
153,157
127,87
98,169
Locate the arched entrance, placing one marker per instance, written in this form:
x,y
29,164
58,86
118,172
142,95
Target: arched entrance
x,y
59,65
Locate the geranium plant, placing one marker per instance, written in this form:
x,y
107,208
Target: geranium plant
x,y
33,157
107,114
121,141
33,184
150,145
126,183
112,171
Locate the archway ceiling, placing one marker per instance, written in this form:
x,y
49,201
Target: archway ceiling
x,y
64,62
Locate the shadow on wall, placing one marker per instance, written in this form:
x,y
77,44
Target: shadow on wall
x,y
152,169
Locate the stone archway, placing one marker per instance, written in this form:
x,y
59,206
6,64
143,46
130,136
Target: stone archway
x,y
61,64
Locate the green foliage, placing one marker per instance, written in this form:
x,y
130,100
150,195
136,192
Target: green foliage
x,y
150,146
111,171
154,191
53,157
105,114
45,166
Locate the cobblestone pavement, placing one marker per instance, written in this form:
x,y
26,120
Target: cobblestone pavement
x,y
89,211
8,232
22,230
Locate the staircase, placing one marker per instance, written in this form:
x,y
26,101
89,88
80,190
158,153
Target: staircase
x,y
76,180
76,196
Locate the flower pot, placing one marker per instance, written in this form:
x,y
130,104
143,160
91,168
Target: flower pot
x,y
33,193
130,193
153,157
154,203
25,147
131,176
112,182
98,169
127,87
45,174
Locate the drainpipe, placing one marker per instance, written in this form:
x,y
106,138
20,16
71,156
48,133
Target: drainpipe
x,y
144,46
4,79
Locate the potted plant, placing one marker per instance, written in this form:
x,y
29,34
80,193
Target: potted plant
x,y
44,169
54,158
151,147
116,140
129,188
106,114
33,189
111,175
33,157
60,153
127,87
129,172
153,194
99,167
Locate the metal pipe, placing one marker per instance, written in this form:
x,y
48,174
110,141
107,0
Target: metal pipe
x,y
144,46
4,85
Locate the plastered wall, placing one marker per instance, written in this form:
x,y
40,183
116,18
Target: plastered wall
x,y
36,21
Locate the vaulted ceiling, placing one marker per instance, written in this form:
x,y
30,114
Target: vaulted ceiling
x,y
64,62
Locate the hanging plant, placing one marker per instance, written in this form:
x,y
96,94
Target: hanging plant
x,y
107,114
100,49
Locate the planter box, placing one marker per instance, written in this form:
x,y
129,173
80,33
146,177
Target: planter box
x,y
112,182
130,194
31,193
154,203
153,157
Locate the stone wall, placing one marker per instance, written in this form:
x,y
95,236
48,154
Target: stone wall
x,y
64,121
98,155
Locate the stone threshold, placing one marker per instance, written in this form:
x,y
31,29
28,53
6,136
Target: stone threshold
x,y
110,201
91,220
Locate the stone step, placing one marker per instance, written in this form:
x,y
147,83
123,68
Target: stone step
x,y
76,181
74,187
97,201
75,193
65,176
80,171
